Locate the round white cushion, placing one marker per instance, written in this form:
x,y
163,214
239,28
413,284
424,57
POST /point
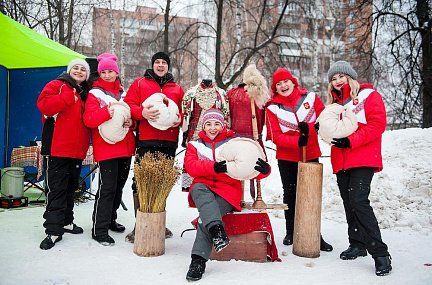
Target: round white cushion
x,y
241,155
168,109
336,121
112,131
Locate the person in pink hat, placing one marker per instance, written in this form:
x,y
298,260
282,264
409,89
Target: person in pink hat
x,y
113,157
291,116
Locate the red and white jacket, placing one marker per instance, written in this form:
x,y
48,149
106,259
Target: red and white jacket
x,y
365,150
283,116
141,89
199,160
96,112
71,138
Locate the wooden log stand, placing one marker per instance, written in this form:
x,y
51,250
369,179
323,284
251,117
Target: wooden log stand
x,y
150,234
307,221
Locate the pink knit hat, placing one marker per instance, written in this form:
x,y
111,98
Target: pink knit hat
x,y
107,61
213,115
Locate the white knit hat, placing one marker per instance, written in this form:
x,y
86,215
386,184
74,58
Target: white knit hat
x,y
343,67
79,61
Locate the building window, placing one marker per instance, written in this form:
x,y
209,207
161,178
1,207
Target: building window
x,y
291,7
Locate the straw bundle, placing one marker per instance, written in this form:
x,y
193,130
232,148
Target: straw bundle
x,y
155,176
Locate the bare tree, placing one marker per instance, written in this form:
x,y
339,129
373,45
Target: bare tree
x,y
406,27
260,32
60,20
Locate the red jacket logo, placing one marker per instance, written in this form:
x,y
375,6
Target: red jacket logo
x,y
355,102
306,105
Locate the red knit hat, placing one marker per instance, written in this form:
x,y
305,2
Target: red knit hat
x,y
107,61
282,74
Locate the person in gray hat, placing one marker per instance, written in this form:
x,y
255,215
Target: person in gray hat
x,y
355,159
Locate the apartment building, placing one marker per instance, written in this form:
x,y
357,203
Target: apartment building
x,y
316,33
134,36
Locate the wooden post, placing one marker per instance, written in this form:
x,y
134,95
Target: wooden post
x,y
307,221
258,203
150,234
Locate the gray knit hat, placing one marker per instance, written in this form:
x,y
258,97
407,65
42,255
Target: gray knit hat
x,y
79,61
341,67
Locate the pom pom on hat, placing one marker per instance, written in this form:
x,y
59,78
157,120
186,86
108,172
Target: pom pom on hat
x,y
161,55
282,74
107,61
213,115
79,61
343,67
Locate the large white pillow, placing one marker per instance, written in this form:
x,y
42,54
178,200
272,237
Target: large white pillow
x,y
336,121
112,131
241,155
169,111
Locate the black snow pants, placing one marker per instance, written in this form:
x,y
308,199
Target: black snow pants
x,y
113,174
62,177
363,231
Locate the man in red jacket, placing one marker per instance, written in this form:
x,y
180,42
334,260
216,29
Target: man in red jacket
x,y
65,141
151,139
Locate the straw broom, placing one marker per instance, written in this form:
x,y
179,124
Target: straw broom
x,y
155,176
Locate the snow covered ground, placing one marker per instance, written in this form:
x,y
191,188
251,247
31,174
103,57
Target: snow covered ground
x,y
401,197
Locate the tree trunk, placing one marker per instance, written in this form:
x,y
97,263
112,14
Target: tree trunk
x,y
2,7
113,38
422,11
149,234
218,76
166,29
239,22
61,32
70,22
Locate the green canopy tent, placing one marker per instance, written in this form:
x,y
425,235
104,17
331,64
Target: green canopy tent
x,y
28,60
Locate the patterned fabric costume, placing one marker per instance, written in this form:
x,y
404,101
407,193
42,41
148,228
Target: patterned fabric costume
x,y
241,113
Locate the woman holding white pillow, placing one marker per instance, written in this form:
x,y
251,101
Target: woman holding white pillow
x,y
212,192
355,159
113,153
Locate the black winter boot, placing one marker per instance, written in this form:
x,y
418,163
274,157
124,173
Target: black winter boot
x,y
73,229
196,268
382,265
352,253
219,237
325,246
116,227
288,239
49,242
104,239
